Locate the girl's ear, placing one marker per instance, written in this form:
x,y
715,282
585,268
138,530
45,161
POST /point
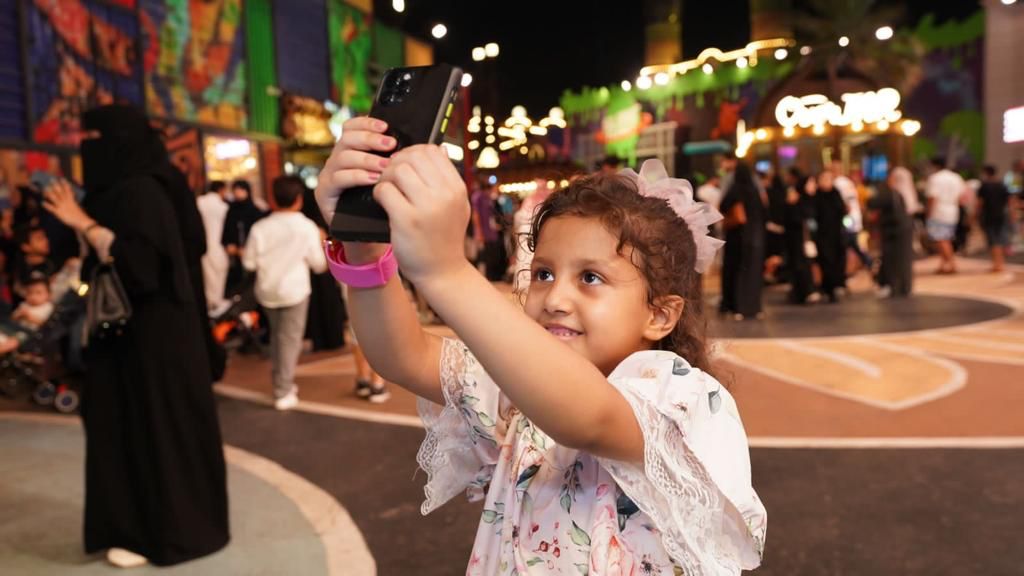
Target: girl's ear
x,y
665,314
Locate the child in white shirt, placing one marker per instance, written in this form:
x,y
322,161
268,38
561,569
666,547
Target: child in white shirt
x,y
282,249
36,309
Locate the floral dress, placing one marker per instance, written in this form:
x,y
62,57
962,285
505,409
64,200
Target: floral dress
x,y
688,508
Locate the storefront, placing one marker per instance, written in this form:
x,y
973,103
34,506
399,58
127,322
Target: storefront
x,y
309,128
927,103
231,158
798,125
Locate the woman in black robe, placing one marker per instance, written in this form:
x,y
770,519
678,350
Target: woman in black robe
x,y
896,227
743,260
155,482
829,210
775,239
796,212
193,238
327,316
242,214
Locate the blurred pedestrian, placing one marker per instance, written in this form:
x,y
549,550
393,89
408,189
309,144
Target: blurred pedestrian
x,y
896,228
743,263
994,216
829,211
155,484
944,190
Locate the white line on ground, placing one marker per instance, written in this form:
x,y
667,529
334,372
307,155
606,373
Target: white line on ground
x,y
346,549
321,408
966,442
795,442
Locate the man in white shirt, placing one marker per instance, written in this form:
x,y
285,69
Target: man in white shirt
x,y
943,190
213,208
282,249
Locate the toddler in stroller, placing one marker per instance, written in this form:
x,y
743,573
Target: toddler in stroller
x,y
238,324
33,346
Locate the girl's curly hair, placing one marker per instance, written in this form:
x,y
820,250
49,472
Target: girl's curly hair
x,y
663,249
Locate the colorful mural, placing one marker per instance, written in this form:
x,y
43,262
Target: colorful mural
x,y
83,54
194,60
350,40
185,151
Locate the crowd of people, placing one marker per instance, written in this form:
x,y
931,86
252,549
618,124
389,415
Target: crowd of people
x,y
814,231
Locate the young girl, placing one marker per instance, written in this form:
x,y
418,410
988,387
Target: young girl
x,y
589,424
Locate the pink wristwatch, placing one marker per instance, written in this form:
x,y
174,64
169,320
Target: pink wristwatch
x,y
370,275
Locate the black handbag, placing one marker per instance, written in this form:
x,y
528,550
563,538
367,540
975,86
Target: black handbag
x,y
107,309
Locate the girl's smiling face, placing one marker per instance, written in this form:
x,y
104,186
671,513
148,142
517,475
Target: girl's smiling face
x,y
588,295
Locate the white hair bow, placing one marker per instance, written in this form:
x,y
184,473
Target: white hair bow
x,y
653,181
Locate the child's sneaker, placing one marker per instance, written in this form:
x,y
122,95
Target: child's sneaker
x,y
363,389
379,395
287,402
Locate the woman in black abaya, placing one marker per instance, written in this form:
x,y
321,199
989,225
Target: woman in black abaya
x,y
326,308
829,210
897,231
796,212
242,214
155,486
743,261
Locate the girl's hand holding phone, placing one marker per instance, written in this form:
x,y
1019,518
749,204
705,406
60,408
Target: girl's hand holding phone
x,y
351,164
428,208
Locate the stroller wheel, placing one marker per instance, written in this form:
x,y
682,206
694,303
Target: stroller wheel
x,y
66,401
44,393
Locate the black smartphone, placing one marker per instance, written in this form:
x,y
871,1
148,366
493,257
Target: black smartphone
x,y
416,103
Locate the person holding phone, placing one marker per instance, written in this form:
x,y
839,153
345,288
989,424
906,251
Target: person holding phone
x,y
587,420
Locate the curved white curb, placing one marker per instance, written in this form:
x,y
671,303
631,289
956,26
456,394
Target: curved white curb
x,y
346,551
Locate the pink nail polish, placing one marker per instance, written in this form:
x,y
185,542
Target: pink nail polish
x,y
374,176
380,125
384,162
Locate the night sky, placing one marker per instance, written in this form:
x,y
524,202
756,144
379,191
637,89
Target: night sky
x,y
553,45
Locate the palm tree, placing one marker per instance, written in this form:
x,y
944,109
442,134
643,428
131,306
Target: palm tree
x,y
822,23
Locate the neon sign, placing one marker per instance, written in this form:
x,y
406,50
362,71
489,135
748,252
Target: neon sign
x,y
858,108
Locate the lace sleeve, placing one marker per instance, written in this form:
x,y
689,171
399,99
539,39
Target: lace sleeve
x,y
694,482
463,436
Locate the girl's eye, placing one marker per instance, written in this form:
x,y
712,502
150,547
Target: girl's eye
x,y
543,275
591,279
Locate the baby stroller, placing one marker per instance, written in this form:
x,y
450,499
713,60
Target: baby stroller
x,y
239,325
36,367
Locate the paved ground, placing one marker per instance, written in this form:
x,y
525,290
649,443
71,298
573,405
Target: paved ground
x,y
41,464
893,450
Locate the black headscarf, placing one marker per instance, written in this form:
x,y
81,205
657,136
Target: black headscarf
x,y
128,146
124,169
242,214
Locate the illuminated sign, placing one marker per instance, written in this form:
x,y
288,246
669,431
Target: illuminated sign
x,y
857,109
227,149
1013,125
